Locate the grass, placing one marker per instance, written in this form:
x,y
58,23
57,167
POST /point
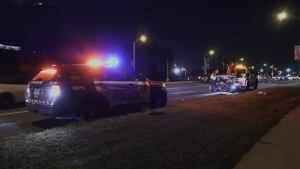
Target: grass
x,y
210,133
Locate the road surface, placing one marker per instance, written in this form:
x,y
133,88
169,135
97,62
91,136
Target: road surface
x,y
17,120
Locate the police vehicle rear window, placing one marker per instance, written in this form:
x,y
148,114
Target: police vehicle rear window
x,y
46,74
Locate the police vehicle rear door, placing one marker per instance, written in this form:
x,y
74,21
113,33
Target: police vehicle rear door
x,y
139,86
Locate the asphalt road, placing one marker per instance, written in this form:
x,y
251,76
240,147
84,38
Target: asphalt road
x,y
17,120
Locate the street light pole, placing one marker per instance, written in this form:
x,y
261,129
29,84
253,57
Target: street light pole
x,y
142,38
204,65
167,70
211,52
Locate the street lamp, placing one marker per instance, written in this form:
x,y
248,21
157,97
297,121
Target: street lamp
x,y
288,70
283,15
241,59
211,52
143,39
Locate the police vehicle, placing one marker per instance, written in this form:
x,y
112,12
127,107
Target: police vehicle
x,y
85,92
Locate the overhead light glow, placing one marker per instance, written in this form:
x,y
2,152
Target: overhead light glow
x,y
94,62
50,71
112,62
281,15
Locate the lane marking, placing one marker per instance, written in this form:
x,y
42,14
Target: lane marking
x,y
183,92
13,113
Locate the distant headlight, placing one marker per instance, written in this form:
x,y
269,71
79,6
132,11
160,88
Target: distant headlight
x,y
55,91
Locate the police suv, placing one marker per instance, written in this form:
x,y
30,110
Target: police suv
x,y
85,92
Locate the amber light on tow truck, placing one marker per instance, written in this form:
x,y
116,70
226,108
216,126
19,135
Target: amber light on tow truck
x,y
240,66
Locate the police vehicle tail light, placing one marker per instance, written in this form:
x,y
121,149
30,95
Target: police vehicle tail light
x,y
55,90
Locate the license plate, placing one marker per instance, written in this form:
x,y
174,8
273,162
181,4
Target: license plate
x,y
36,92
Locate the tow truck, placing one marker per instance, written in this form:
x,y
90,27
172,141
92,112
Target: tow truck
x,y
237,77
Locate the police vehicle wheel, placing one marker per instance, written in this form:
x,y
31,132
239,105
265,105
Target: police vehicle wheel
x,y
89,112
159,100
6,100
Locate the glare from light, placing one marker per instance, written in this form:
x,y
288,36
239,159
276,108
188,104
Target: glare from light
x,y
211,52
143,38
94,62
112,62
176,70
282,16
55,91
50,71
240,66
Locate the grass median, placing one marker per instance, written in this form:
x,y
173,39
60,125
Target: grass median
x,y
211,132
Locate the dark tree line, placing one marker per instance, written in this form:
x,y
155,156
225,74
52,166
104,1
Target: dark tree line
x,y
154,61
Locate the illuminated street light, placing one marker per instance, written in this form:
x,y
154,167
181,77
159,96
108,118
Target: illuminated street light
x,y
143,39
241,59
283,15
176,71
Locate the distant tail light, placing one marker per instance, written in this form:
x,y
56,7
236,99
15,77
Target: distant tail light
x,y
55,91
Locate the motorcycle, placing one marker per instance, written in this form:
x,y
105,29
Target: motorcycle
x,y
224,86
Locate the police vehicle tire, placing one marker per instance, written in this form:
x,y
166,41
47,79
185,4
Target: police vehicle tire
x,y
159,100
89,110
6,100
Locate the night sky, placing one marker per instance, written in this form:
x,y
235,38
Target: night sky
x,y
190,28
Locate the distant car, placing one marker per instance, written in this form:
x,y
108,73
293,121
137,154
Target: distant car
x,y
12,90
281,78
205,78
290,77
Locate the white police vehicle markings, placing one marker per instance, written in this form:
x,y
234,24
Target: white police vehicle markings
x,y
75,77
78,87
36,82
121,96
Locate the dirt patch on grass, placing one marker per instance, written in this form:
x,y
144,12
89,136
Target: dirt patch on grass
x,y
209,132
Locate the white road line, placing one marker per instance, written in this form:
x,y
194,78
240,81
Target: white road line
x,y
183,92
13,113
